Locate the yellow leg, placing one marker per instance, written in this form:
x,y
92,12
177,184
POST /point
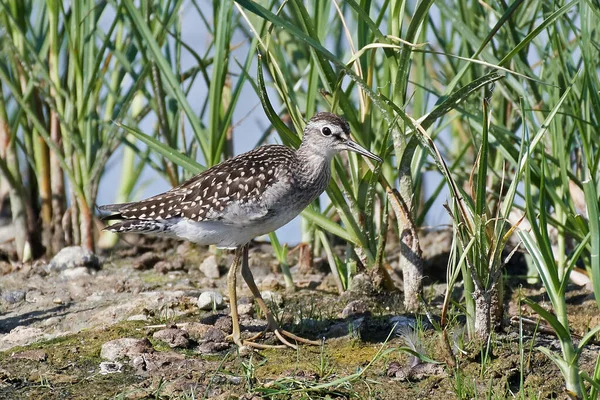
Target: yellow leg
x,y
231,286
271,323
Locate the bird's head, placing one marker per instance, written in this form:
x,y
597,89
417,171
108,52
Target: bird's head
x,y
329,134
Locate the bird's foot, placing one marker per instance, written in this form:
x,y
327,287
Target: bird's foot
x,y
281,335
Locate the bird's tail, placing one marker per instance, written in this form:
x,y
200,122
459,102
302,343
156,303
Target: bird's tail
x,y
112,211
138,226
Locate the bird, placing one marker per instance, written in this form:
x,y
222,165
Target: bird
x,y
241,198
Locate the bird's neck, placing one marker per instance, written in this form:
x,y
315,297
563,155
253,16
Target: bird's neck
x,y
314,166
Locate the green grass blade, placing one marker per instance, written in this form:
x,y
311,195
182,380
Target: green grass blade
x,y
169,153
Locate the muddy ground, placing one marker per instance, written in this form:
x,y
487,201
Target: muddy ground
x,y
133,329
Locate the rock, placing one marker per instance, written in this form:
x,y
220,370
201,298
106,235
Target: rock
x,y
196,330
271,282
21,336
212,347
174,337
272,297
138,317
73,257
356,307
214,335
158,362
225,324
146,261
414,373
52,321
211,300
77,272
246,309
32,355
126,347
210,267
110,367
13,296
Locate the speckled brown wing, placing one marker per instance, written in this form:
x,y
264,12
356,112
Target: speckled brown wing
x,y
205,197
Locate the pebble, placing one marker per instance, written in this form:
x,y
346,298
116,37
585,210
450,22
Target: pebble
x,y
76,272
110,367
196,330
32,355
214,335
138,317
73,257
246,309
211,300
212,347
52,321
225,324
210,267
13,296
125,347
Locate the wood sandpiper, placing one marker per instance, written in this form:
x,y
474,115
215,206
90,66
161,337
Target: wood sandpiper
x,y
241,198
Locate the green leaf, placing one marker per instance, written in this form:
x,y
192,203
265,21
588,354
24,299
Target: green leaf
x,y
169,153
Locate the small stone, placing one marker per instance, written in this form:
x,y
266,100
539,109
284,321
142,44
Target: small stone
x,y
32,355
356,307
73,257
225,324
271,282
110,367
183,249
196,330
146,261
211,300
159,362
76,272
212,348
57,300
13,296
52,321
174,337
246,309
138,317
273,297
214,335
125,347
210,267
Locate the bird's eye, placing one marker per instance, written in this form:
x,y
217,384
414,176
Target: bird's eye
x,y
326,131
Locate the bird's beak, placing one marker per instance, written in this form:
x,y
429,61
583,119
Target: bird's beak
x,y
355,147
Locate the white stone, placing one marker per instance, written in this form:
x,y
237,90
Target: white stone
x,y
210,267
211,300
73,257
